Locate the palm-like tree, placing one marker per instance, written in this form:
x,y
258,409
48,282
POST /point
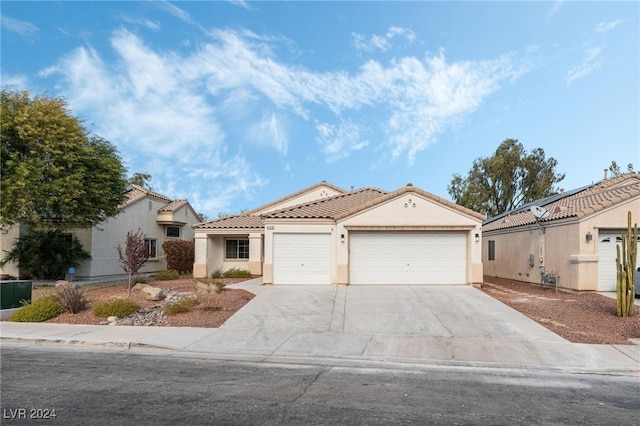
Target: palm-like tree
x,y
46,254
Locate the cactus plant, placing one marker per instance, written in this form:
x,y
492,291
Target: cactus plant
x,y
626,255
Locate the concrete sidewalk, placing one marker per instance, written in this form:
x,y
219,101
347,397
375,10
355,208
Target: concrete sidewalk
x,y
361,325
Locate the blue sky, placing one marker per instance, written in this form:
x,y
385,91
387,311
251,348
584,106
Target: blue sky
x,y
235,104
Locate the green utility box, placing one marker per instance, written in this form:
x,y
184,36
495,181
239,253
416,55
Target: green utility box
x,y
12,293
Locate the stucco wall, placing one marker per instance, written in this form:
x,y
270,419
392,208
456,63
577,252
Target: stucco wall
x,y
104,238
8,238
411,212
313,195
567,252
419,215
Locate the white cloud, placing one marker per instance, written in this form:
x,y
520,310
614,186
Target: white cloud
x,y
175,11
154,26
15,81
269,131
339,141
604,27
589,64
177,108
381,42
555,9
22,28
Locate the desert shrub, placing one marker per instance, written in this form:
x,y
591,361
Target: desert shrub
x,y
115,307
168,275
217,273
140,279
70,298
181,306
180,255
40,310
219,284
236,273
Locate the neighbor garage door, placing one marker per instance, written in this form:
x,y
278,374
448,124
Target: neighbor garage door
x,y
408,258
607,261
301,259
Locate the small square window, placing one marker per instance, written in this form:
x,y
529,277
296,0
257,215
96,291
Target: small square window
x,y
173,232
237,249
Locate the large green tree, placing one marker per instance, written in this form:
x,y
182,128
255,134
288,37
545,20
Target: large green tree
x,y
506,180
54,173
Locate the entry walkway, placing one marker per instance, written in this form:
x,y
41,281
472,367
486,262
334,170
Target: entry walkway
x,y
370,325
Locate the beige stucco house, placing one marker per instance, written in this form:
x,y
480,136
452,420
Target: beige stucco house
x,y
327,235
159,217
576,241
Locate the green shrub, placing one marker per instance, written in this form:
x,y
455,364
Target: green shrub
x,y
139,279
181,306
236,273
217,273
167,275
70,298
180,254
40,310
115,307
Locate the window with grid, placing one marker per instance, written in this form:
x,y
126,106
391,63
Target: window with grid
x,y
173,232
150,246
237,249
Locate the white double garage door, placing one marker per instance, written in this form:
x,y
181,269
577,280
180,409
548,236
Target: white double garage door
x,y
374,258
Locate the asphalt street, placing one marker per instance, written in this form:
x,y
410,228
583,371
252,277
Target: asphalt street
x,y
98,386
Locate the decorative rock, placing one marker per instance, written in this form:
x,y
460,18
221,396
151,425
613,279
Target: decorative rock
x,y
139,286
152,316
153,293
63,283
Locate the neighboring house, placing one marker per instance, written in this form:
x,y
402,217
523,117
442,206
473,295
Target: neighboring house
x,y
326,235
576,242
8,237
159,217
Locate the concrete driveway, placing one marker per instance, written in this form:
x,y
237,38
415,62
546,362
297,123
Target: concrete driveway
x,y
445,325
434,311
438,323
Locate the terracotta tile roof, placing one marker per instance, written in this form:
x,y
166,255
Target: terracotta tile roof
x,y
233,222
577,203
137,192
336,207
409,188
295,194
327,208
173,206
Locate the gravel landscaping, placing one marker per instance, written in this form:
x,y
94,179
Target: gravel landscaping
x,y
578,317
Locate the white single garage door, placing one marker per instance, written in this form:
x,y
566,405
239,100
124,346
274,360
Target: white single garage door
x,y
301,259
607,260
408,258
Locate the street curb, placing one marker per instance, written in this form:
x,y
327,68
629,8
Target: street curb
x,y
344,361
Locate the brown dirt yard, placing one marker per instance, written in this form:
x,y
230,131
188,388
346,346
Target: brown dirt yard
x,y
579,318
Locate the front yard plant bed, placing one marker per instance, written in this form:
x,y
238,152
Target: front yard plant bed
x,y
211,311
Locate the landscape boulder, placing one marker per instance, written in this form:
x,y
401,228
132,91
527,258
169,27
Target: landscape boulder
x,y
150,292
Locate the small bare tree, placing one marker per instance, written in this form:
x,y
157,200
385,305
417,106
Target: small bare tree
x,y
134,255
